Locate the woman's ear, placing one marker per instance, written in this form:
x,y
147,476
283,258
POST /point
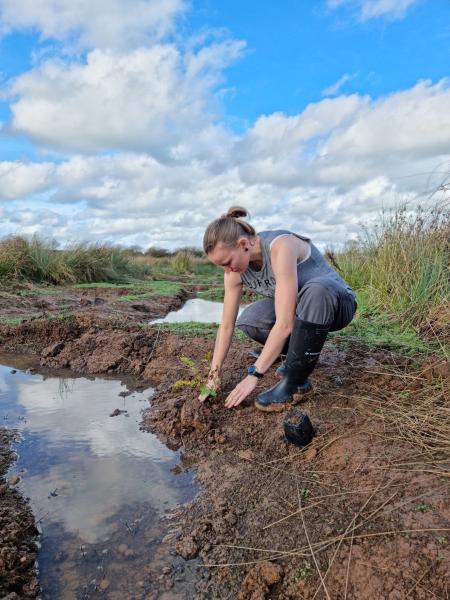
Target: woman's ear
x,y
243,243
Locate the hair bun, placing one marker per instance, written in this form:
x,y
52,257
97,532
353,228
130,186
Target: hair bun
x,y
236,212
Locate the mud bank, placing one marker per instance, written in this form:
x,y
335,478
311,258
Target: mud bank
x,y
26,303
18,533
361,513
358,514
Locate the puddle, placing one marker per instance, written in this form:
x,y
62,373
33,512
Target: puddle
x,y
98,485
201,311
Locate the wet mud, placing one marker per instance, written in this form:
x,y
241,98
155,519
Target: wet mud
x,y
18,533
25,303
359,513
358,507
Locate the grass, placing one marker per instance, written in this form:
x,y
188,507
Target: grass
x,y
13,320
213,293
401,267
143,288
38,261
377,330
192,329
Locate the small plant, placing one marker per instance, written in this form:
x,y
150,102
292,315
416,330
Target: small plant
x,y
422,507
305,493
304,572
208,391
182,383
189,362
194,381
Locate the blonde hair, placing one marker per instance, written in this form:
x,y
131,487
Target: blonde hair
x,y
227,229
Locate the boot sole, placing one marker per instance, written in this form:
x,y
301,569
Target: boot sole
x,y
296,398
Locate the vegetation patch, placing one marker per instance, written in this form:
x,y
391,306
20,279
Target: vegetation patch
x,y
193,329
213,293
401,266
38,261
382,330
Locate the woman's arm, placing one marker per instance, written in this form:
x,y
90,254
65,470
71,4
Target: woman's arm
x,y
232,296
284,256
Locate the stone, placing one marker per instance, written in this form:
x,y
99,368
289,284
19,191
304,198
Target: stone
x,y
187,548
52,350
104,584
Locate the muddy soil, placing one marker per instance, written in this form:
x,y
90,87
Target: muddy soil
x,y
30,303
273,520
18,533
360,513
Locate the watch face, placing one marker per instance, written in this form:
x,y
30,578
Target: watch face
x,y
253,371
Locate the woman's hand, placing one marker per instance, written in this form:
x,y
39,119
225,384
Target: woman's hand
x,y
212,385
241,391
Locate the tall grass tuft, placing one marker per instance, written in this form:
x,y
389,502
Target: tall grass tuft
x,y
182,262
41,262
403,266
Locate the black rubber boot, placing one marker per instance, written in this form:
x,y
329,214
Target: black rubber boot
x,y
305,345
254,352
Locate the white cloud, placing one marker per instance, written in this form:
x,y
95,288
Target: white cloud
x,y
336,87
373,9
19,179
150,98
349,140
117,24
320,172
411,124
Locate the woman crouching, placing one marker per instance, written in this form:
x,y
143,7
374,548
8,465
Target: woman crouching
x,y
304,299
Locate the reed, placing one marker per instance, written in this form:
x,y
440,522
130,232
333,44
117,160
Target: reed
x,y
39,261
402,267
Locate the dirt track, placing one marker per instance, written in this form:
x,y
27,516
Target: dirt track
x,y
272,521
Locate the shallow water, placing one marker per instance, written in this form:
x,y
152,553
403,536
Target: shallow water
x,y
201,311
97,484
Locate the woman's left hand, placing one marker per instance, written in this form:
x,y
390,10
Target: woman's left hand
x,y
241,391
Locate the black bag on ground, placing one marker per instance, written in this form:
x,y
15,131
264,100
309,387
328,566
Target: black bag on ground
x,y
298,429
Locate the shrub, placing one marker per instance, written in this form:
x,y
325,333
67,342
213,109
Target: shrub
x,y
181,263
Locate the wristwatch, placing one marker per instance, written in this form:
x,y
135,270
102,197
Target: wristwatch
x,y
254,371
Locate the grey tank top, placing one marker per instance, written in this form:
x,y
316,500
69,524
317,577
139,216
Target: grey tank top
x,y
263,281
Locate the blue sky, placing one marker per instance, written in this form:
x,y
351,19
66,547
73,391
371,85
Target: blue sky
x,y
116,113
297,49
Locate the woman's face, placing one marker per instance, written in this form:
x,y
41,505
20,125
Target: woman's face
x,y
233,259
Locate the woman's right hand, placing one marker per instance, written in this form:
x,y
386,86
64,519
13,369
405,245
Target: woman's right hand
x,y
212,385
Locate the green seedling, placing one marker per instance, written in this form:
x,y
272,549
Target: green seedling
x,y
304,572
207,391
422,507
305,493
195,381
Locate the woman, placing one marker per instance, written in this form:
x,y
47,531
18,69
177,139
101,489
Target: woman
x,y
304,299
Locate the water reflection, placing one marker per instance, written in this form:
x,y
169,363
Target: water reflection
x,y
201,311
81,465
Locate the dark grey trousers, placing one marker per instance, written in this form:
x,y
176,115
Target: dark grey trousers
x,y
321,300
